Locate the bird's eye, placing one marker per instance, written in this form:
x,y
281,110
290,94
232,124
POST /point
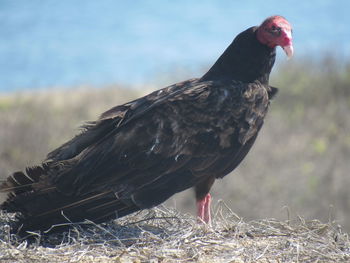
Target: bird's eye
x,y
276,30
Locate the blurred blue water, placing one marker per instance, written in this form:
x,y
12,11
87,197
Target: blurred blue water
x,y
66,43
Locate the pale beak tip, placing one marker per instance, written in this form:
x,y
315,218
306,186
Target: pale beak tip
x,y
289,51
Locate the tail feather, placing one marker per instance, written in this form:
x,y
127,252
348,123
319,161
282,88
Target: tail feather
x,y
40,204
20,182
57,209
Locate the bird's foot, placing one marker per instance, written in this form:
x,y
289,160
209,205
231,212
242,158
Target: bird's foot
x,y
203,210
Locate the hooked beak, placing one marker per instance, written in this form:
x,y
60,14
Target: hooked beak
x,y
287,44
288,50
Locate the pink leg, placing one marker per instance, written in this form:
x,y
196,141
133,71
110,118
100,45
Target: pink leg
x,y
203,209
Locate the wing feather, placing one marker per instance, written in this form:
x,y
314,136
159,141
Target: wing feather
x,y
168,135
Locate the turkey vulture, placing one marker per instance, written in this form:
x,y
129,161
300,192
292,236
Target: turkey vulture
x,y
138,154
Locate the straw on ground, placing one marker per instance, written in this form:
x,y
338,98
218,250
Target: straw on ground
x,y
164,235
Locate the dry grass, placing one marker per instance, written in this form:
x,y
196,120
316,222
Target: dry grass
x,y
163,235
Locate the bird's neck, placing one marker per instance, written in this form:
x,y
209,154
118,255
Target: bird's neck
x,y
246,60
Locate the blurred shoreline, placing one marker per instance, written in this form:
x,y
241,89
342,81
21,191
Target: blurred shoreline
x,y
65,43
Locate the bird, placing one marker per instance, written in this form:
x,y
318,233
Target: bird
x,y
138,154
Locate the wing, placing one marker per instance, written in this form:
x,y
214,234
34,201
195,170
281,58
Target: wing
x,y
170,143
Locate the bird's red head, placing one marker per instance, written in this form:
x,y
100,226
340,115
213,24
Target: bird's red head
x,y
276,31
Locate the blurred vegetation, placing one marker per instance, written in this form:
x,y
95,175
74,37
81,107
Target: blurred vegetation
x,y
299,164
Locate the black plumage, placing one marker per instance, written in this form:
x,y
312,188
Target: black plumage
x,y
138,154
